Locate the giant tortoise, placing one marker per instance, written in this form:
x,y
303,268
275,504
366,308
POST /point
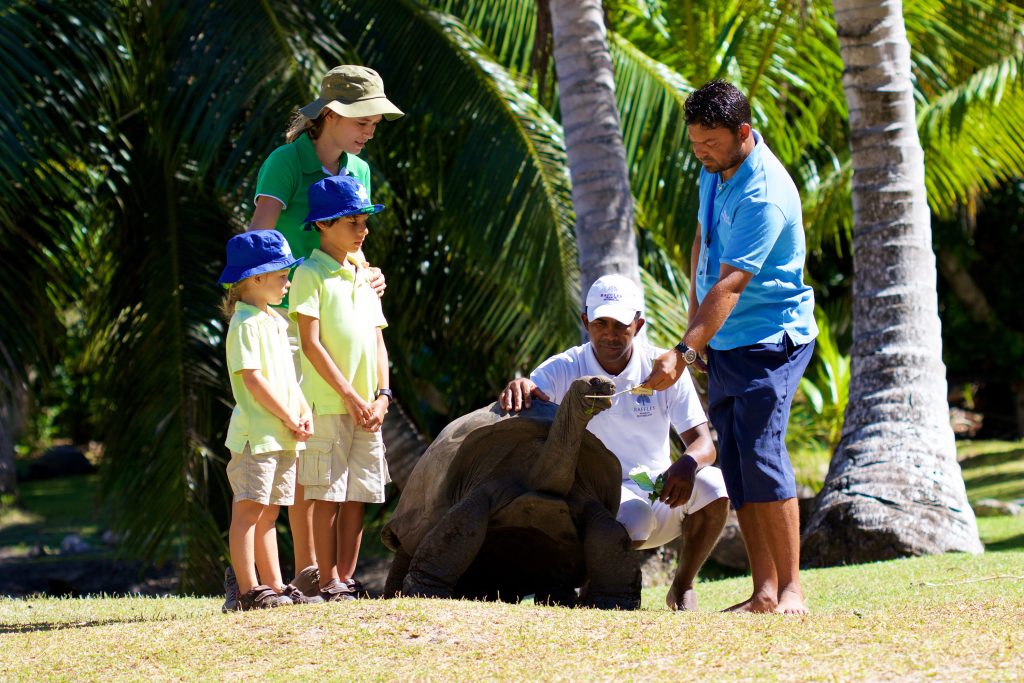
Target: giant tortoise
x,y
504,505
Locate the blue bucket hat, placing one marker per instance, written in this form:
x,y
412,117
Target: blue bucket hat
x,y
254,253
337,196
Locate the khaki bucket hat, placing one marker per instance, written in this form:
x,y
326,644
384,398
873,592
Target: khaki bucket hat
x,y
352,91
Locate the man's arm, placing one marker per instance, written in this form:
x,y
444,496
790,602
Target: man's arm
x,y
691,311
549,374
710,317
679,478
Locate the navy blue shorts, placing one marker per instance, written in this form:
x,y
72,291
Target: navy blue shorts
x,y
750,391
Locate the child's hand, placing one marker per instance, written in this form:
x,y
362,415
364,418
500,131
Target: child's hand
x,y
379,409
306,428
294,424
358,409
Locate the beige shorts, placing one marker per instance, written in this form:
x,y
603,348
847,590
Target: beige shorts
x,y
267,478
342,463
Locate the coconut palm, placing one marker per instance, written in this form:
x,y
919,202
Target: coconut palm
x,y
894,486
593,142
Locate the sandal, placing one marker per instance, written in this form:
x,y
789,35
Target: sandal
x,y
308,581
335,591
357,588
298,597
230,592
263,597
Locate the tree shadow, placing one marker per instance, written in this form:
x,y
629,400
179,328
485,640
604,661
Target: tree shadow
x,y
1011,543
59,625
991,459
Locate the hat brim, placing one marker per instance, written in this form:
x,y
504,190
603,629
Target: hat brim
x,y
311,219
232,275
372,106
619,312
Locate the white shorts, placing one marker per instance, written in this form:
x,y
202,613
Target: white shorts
x,y
656,523
343,463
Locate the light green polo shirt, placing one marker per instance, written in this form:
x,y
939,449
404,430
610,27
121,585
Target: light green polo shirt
x,y
349,313
258,340
286,176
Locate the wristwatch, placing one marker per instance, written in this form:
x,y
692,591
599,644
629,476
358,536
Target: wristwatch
x,y
386,392
689,355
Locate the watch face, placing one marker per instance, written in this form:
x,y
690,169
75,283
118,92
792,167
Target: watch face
x,y
690,356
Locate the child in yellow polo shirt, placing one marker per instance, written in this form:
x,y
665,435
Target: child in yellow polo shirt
x,y
344,377
271,420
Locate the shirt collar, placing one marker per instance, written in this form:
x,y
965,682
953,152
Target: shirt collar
x,y
308,159
751,163
243,307
332,265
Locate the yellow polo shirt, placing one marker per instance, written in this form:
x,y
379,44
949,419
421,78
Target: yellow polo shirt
x,y
258,340
349,313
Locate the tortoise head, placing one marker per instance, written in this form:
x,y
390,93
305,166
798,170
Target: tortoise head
x,y
589,395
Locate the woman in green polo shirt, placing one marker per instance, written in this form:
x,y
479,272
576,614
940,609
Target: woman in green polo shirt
x,y
324,139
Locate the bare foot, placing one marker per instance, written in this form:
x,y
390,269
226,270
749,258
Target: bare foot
x,y
757,602
681,599
791,602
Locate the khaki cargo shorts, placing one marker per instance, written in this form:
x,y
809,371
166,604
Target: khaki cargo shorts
x,y
267,478
342,463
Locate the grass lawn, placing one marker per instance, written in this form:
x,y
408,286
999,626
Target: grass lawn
x,y
947,618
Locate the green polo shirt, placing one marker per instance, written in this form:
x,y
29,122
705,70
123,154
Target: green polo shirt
x,y
286,176
258,340
349,313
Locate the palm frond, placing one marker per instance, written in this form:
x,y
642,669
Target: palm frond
x,y
482,227
507,27
662,170
964,134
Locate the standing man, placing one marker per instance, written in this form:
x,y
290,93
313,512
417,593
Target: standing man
x,y
693,504
751,329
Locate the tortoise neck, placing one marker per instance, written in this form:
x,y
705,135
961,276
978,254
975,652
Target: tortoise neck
x,y
555,469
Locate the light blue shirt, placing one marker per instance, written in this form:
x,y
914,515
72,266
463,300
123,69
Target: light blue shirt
x,y
756,224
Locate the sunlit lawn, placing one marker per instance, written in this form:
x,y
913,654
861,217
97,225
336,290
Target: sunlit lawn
x,y
948,618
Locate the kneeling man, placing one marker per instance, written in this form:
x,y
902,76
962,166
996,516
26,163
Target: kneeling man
x,y
693,503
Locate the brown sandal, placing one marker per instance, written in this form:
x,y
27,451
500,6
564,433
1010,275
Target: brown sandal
x,y
335,591
262,597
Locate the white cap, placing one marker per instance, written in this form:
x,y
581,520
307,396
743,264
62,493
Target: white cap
x,y
616,297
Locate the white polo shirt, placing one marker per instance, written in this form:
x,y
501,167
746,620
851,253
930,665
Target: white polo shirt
x,y
635,428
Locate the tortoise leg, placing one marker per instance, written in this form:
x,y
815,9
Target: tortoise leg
x,y
613,567
396,574
446,552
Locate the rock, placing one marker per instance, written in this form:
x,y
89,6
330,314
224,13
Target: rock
x,y
60,461
965,423
72,544
730,550
109,537
990,507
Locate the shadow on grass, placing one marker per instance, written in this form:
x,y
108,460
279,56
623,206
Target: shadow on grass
x,y
1011,543
991,459
60,626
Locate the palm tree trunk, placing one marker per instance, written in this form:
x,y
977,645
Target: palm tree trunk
x,y
12,418
593,142
894,487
